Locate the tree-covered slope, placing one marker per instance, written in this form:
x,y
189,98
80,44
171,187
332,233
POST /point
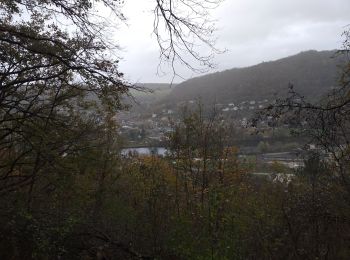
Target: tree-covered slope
x,y
312,73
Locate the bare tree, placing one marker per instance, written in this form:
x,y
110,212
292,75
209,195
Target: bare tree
x,y
180,25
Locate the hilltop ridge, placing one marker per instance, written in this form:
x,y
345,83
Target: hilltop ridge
x,y
312,73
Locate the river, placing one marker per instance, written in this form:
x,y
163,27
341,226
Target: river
x,y
145,150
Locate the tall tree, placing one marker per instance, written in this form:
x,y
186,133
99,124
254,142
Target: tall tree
x,y
55,60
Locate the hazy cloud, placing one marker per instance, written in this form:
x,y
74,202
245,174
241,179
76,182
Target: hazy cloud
x,y
251,30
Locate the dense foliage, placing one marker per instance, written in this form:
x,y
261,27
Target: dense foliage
x,y
66,192
199,202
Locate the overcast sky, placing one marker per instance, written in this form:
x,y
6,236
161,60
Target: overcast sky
x,y
252,31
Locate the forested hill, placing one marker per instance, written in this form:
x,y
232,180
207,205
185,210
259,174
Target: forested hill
x,y
311,72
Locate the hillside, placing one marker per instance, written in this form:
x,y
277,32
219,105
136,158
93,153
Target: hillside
x,y
152,92
311,72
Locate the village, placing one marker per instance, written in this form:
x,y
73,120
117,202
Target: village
x,y
147,125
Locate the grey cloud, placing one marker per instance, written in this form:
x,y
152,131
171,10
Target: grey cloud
x,y
252,30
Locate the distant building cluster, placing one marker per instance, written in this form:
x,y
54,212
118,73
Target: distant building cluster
x,y
244,105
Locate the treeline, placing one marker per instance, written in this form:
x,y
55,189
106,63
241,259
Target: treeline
x,y
199,202
313,73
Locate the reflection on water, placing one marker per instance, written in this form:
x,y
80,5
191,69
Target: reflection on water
x,y
144,151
